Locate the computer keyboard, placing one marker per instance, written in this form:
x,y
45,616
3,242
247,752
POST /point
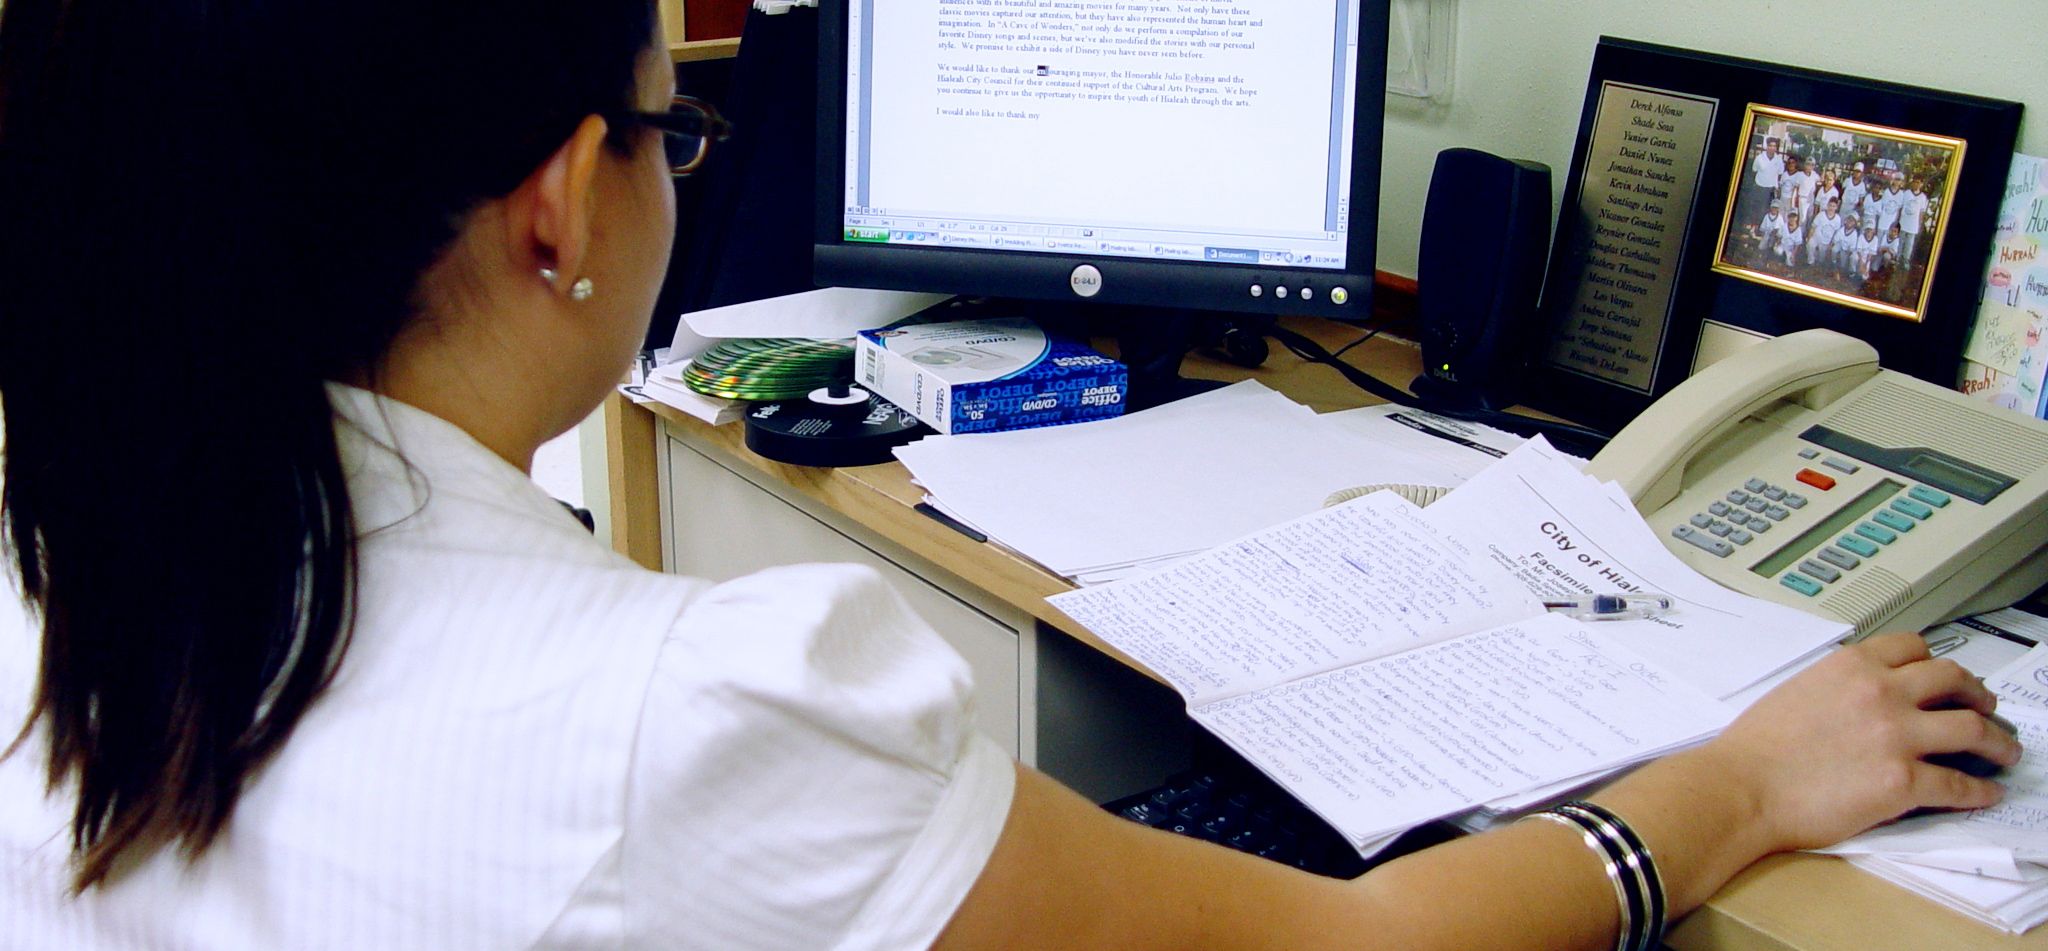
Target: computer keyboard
x,y
1247,812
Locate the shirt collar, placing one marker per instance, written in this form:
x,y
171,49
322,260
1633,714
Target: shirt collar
x,y
398,457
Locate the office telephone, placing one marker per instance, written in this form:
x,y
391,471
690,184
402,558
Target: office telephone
x,y
1800,472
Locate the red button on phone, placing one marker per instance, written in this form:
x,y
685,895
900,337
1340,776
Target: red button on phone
x,y
1817,480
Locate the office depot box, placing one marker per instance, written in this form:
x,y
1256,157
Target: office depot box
x,y
979,376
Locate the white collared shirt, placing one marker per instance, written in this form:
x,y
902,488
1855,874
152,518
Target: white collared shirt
x,y
534,743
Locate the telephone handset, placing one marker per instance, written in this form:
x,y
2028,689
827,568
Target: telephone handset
x,y
1801,472
1650,457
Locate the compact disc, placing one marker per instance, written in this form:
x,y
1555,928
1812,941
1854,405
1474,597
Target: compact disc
x,y
769,368
830,431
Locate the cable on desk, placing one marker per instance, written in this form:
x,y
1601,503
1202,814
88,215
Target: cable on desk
x,y
1574,439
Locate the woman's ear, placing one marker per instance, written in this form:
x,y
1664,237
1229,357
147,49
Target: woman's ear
x,y
551,212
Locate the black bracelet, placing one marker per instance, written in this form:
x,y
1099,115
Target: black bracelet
x,y
1643,864
1628,897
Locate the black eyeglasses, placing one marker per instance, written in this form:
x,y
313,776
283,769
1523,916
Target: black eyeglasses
x,y
687,130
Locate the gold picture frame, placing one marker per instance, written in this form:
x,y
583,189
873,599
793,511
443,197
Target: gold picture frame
x,y
1777,229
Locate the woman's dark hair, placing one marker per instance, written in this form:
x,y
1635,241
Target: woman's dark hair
x,y
207,208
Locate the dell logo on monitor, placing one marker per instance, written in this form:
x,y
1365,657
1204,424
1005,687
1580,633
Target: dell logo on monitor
x,y
1086,281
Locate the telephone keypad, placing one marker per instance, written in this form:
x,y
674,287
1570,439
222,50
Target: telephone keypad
x,y
1839,558
1859,545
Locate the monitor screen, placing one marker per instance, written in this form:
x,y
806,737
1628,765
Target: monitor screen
x,y
1198,154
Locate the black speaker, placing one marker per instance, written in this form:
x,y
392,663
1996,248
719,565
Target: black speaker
x,y
1485,237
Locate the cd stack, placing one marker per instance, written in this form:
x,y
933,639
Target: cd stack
x,y
770,369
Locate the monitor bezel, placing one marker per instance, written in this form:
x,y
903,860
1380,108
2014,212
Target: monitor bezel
x,y
1182,285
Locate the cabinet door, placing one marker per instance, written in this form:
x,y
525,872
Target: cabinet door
x,y
721,526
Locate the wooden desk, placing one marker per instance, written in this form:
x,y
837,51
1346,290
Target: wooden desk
x,y
1805,902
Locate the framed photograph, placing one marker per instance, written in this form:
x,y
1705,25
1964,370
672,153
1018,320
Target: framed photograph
x,y
1842,211
1708,205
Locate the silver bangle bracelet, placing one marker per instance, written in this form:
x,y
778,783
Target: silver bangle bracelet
x,y
1616,876
1642,867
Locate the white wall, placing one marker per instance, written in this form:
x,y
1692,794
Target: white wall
x,y
1522,67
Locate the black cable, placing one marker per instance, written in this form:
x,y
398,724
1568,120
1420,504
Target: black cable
x,y
1355,344
1575,439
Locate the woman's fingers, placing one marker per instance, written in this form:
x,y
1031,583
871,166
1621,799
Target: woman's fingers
x,y
1943,788
1937,683
1895,650
1962,731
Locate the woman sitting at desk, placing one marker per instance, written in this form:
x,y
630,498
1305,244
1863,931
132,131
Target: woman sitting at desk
x,y
289,295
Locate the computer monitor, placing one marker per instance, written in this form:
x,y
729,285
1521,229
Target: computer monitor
x,y
1178,155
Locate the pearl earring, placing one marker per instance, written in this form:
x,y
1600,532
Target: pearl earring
x,y
583,290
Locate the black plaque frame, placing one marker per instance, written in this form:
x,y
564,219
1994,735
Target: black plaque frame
x,y
1930,349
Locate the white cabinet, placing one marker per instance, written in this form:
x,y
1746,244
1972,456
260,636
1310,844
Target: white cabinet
x,y
722,524
1058,705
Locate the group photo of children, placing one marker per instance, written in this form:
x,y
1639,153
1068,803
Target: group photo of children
x,y
1839,208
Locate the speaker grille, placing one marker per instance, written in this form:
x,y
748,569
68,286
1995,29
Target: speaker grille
x,y
1894,415
1875,594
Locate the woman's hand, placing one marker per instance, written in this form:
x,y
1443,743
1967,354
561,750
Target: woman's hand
x,y
1839,748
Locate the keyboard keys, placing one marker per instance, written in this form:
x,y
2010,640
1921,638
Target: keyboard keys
x,y
1718,508
1876,533
1720,528
1815,569
1793,501
1893,521
1756,485
1809,454
1759,526
1912,508
1818,480
1738,497
1841,465
1802,584
1839,558
1757,505
1740,537
1861,546
1774,493
1701,521
1703,541
1777,513
1932,497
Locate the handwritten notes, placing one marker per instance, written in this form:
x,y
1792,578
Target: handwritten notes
x,y
2006,360
1385,672
1339,586
1393,742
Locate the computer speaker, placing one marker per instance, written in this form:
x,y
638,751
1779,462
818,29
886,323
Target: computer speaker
x,y
1485,238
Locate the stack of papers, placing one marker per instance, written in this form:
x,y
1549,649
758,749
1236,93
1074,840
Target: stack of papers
x,y
1390,665
1990,864
1099,501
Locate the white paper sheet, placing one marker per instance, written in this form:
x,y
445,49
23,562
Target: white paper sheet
x,y
1565,535
2023,682
832,313
1185,477
1393,742
1443,451
1361,580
